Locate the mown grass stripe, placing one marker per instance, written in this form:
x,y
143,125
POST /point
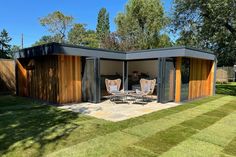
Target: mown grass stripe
x,y
230,149
208,142
133,151
100,146
150,128
164,140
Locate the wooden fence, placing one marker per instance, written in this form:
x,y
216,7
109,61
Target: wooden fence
x,y
225,74
7,76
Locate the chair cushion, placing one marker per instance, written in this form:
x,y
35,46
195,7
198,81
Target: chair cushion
x,y
138,91
147,87
113,88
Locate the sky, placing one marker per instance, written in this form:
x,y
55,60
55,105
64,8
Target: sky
x,y
22,16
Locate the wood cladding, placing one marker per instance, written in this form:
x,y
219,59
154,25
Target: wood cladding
x,y
42,80
178,79
7,76
21,78
55,79
69,74
201,79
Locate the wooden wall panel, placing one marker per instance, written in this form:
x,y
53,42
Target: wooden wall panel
x,y
201,78
55,79
178,79
70,81
37,78
211,78
42,78
7,76
21,79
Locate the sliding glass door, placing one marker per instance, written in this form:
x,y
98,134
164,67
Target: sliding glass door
x,y
169,84
185,73
91,80
167,80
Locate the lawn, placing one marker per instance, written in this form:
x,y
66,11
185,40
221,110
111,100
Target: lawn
x,y
205,127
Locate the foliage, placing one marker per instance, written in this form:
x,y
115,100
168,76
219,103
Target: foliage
x,y
79,35
13,50
44,40
90,39
103,25
111,42
141,24
5,46
58,24
208,24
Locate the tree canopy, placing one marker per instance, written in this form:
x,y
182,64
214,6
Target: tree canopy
x,y
141,23
79,35
44,40
58,24
208,24
103,25
5,46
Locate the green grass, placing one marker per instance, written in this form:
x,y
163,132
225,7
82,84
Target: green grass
x,y
228,89
205,127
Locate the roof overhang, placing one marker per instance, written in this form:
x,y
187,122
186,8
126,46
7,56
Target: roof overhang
x,y
64,49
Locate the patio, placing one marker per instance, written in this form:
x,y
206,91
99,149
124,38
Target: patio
x,y
117,112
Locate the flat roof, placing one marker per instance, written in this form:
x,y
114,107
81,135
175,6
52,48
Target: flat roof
x,y
67,49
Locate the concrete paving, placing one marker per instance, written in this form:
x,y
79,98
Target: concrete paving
x,y
117,112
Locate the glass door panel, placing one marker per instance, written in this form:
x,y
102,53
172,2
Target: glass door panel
x,y
185,73
169,84
88,81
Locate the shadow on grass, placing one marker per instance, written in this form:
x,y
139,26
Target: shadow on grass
x,y
227,89
25,125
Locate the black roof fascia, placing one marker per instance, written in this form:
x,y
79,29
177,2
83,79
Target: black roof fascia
x,y
66,49
170,52
76,51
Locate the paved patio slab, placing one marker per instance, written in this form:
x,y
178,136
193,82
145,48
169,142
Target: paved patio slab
x,y
117,112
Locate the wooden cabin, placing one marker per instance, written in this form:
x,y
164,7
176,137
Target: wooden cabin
x,y
61,73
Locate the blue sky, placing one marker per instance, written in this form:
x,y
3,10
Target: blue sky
x,y
22,16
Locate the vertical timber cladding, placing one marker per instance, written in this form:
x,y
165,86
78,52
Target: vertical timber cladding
x,y
42,80
70,81
21,79
201,81
201,78
178,79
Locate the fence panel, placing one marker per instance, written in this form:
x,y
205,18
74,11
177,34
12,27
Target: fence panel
x,y
7,76
225,74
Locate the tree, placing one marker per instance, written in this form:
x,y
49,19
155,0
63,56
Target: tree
x,y
45,39
111,42
165,41
208,24
79,35
103,25
13,50
90,39
58,24
4,44
141,24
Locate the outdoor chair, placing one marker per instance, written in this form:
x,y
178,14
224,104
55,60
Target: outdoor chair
x,y
147,88
113,88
